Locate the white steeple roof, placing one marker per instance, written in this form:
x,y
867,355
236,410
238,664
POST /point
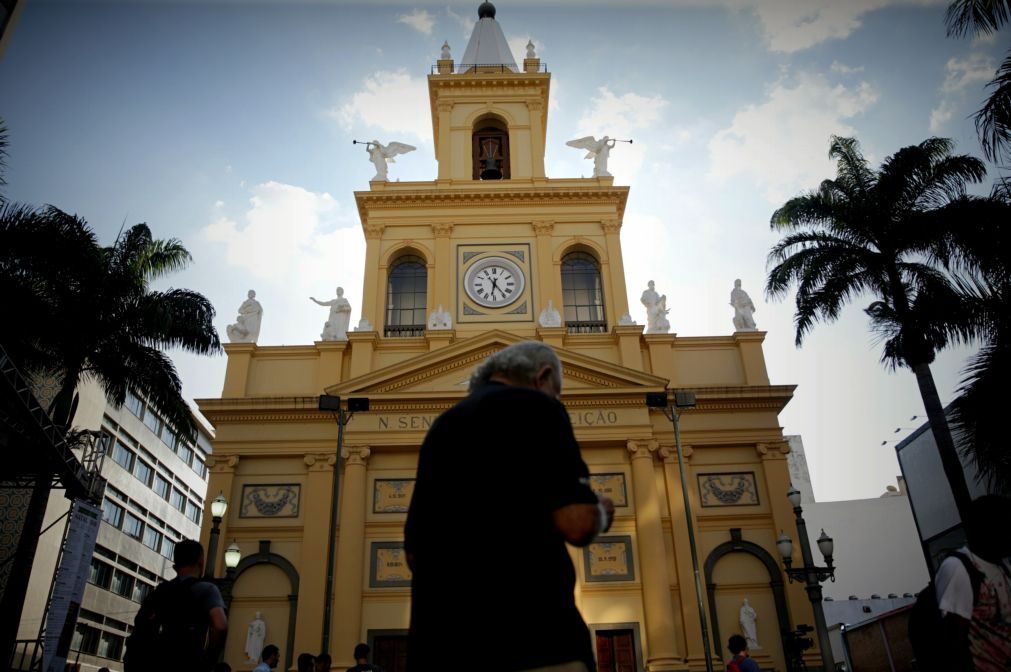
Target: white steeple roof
x,y
487,44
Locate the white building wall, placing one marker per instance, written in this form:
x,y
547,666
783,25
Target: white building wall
x,y
877,548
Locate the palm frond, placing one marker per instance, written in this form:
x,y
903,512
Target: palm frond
x,y
978,413
976,17
993,120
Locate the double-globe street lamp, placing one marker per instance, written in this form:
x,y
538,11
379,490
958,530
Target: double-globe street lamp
x,y
219,506
810,574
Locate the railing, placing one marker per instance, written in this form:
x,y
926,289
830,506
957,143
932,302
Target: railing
x,y
587,327
27,655
404,330
452,68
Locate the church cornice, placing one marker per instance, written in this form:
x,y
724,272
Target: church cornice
x,y
371,201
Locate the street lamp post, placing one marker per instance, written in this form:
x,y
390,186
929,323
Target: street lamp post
x,y
218,508
810,574
685,399
332,403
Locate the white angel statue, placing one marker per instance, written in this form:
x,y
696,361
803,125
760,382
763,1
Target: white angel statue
x,y
380,155
598,150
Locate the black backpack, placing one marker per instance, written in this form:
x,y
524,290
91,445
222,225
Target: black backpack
x,y
925,630
168,632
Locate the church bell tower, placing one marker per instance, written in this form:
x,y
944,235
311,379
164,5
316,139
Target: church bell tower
x,y
492,242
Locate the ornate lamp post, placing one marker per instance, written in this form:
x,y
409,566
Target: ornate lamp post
x,y
218,508
232,557
810,574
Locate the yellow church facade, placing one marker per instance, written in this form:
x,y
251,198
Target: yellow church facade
x,y
317,508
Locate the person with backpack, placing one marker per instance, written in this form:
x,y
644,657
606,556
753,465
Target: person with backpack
x,y
974,594
741,662
182,624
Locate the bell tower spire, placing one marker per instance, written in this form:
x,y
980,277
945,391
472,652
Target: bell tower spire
x,y
489,116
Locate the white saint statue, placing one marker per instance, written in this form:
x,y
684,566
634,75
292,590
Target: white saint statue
x,y
749,618
446,55
336,328
656,310
550,317
598,150
380,155
744,309
247,325
256,634
440,320
531,52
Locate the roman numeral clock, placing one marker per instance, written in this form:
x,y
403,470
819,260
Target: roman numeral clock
x,y
494,283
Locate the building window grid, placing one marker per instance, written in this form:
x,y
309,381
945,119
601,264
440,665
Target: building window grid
x,y
582,294
407,297
123,456
112,513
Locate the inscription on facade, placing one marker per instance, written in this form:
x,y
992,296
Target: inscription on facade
x,y
610,485
405,422
593,418
389,565
609,559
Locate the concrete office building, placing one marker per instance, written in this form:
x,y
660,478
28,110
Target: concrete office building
x,y
154,497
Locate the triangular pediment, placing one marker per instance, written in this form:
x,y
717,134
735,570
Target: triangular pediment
x,y
448,371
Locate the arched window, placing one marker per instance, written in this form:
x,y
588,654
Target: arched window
x,y
406,297
490,149
582,296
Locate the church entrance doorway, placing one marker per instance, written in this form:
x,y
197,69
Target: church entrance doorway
x,y
389,651
616,651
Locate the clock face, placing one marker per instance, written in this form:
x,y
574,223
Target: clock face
x,y
494,282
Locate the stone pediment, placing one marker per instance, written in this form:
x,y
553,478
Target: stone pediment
x,y
448,371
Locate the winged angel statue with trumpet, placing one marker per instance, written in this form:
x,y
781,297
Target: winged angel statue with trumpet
x,y
598,150
380,155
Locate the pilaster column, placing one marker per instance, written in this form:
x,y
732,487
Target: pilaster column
x,y
550,286
536,108
220,478
372,299
347,609
442,262
682,550
316,497
777,482
443,150
617,302
240,357
662,649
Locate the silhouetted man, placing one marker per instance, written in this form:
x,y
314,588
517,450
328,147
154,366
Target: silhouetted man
x,y
500,488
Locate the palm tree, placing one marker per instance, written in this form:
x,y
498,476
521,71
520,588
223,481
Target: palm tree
x,y
87,312
877,233
993,120
76,311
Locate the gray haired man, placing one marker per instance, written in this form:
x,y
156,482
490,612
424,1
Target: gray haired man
x,y
501,487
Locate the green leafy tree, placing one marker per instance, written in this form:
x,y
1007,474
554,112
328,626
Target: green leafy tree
x,y
877,233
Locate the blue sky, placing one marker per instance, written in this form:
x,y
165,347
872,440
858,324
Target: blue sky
x,y
228,124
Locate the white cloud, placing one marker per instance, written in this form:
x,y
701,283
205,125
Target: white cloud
x,y
792,26
962,72
419,19
844,69
393,102
975,70
939,116
465,22
782,143
284,230
621,117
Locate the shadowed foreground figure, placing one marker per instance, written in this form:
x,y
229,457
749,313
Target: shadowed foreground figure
x,y
501,487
